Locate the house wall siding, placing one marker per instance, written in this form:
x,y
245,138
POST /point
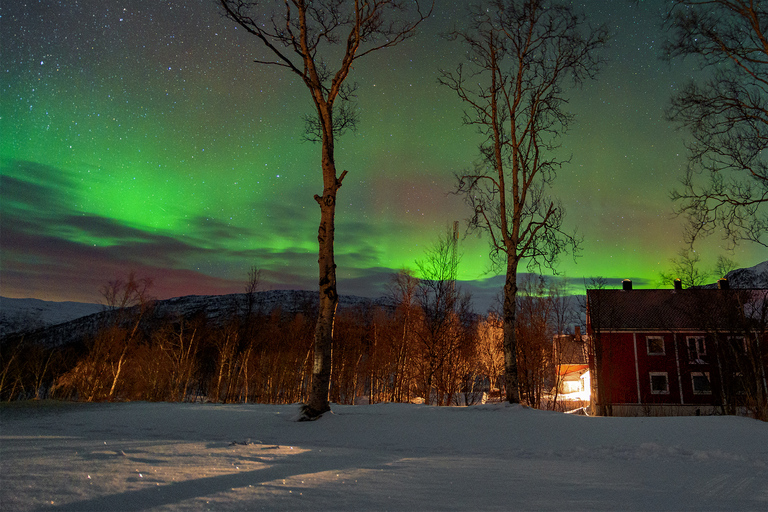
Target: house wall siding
x,y
619,381
629,365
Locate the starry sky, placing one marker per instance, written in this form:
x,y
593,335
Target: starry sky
x,y
139,136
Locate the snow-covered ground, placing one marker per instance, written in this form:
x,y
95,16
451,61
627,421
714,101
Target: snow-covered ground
x,y
161,456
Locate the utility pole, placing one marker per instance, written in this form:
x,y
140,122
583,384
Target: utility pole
x,y
454,253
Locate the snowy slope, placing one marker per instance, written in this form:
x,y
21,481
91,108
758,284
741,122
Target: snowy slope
x,y
60,323
159,456
28,314
753,277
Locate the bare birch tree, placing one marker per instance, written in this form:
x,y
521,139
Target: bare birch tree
x,y
441,303
490,353
686,266
726,184
306,37
403,292
523,55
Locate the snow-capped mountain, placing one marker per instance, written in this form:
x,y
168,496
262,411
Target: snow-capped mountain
x,y
753,277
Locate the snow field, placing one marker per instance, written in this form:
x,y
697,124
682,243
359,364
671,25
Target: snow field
x,y
173,456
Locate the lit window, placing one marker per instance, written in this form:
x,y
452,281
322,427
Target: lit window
x,y
697,349
701,384
655,345
659,383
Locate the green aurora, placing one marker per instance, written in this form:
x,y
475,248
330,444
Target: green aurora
x,y
144,138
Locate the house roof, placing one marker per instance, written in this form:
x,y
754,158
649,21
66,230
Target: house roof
x,y
672,310
565,369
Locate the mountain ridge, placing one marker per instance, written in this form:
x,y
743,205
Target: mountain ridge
x,y
59,324
52,320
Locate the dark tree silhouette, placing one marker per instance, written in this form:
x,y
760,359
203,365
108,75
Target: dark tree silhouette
x,y
522,57
725,186
319,41
686,267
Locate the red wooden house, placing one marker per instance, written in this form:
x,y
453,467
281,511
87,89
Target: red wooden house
x,y
674,351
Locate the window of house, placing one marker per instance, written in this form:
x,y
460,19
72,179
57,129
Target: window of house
x,y
737,344
659,383
737,385
655,345
697,349
701,383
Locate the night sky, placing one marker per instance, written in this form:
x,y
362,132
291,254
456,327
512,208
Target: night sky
x,y
140,135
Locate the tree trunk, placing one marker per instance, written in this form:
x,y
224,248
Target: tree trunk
x,y
299,48
117,374
510,340
329,298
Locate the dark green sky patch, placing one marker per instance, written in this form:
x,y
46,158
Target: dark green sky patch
x,y
141,136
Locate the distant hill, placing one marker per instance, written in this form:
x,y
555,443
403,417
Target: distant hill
x,y
59,323
20,315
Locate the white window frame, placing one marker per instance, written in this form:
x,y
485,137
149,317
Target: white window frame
x,y
651,375
648,346
700,348
693,385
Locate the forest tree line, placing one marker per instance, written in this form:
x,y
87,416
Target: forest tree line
x,y
426,346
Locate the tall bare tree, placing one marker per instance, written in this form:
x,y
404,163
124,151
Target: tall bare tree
x,y
319,40
443,306
523,55
534,336
403,292
725,186
490,354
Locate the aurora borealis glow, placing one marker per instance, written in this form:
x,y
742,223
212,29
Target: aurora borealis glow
x,y
139,135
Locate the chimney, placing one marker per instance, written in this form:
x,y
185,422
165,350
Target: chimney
x,y
626,285
678,285
577,332
723,284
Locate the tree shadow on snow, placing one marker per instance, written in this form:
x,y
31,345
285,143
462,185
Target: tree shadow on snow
x,y
177,492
